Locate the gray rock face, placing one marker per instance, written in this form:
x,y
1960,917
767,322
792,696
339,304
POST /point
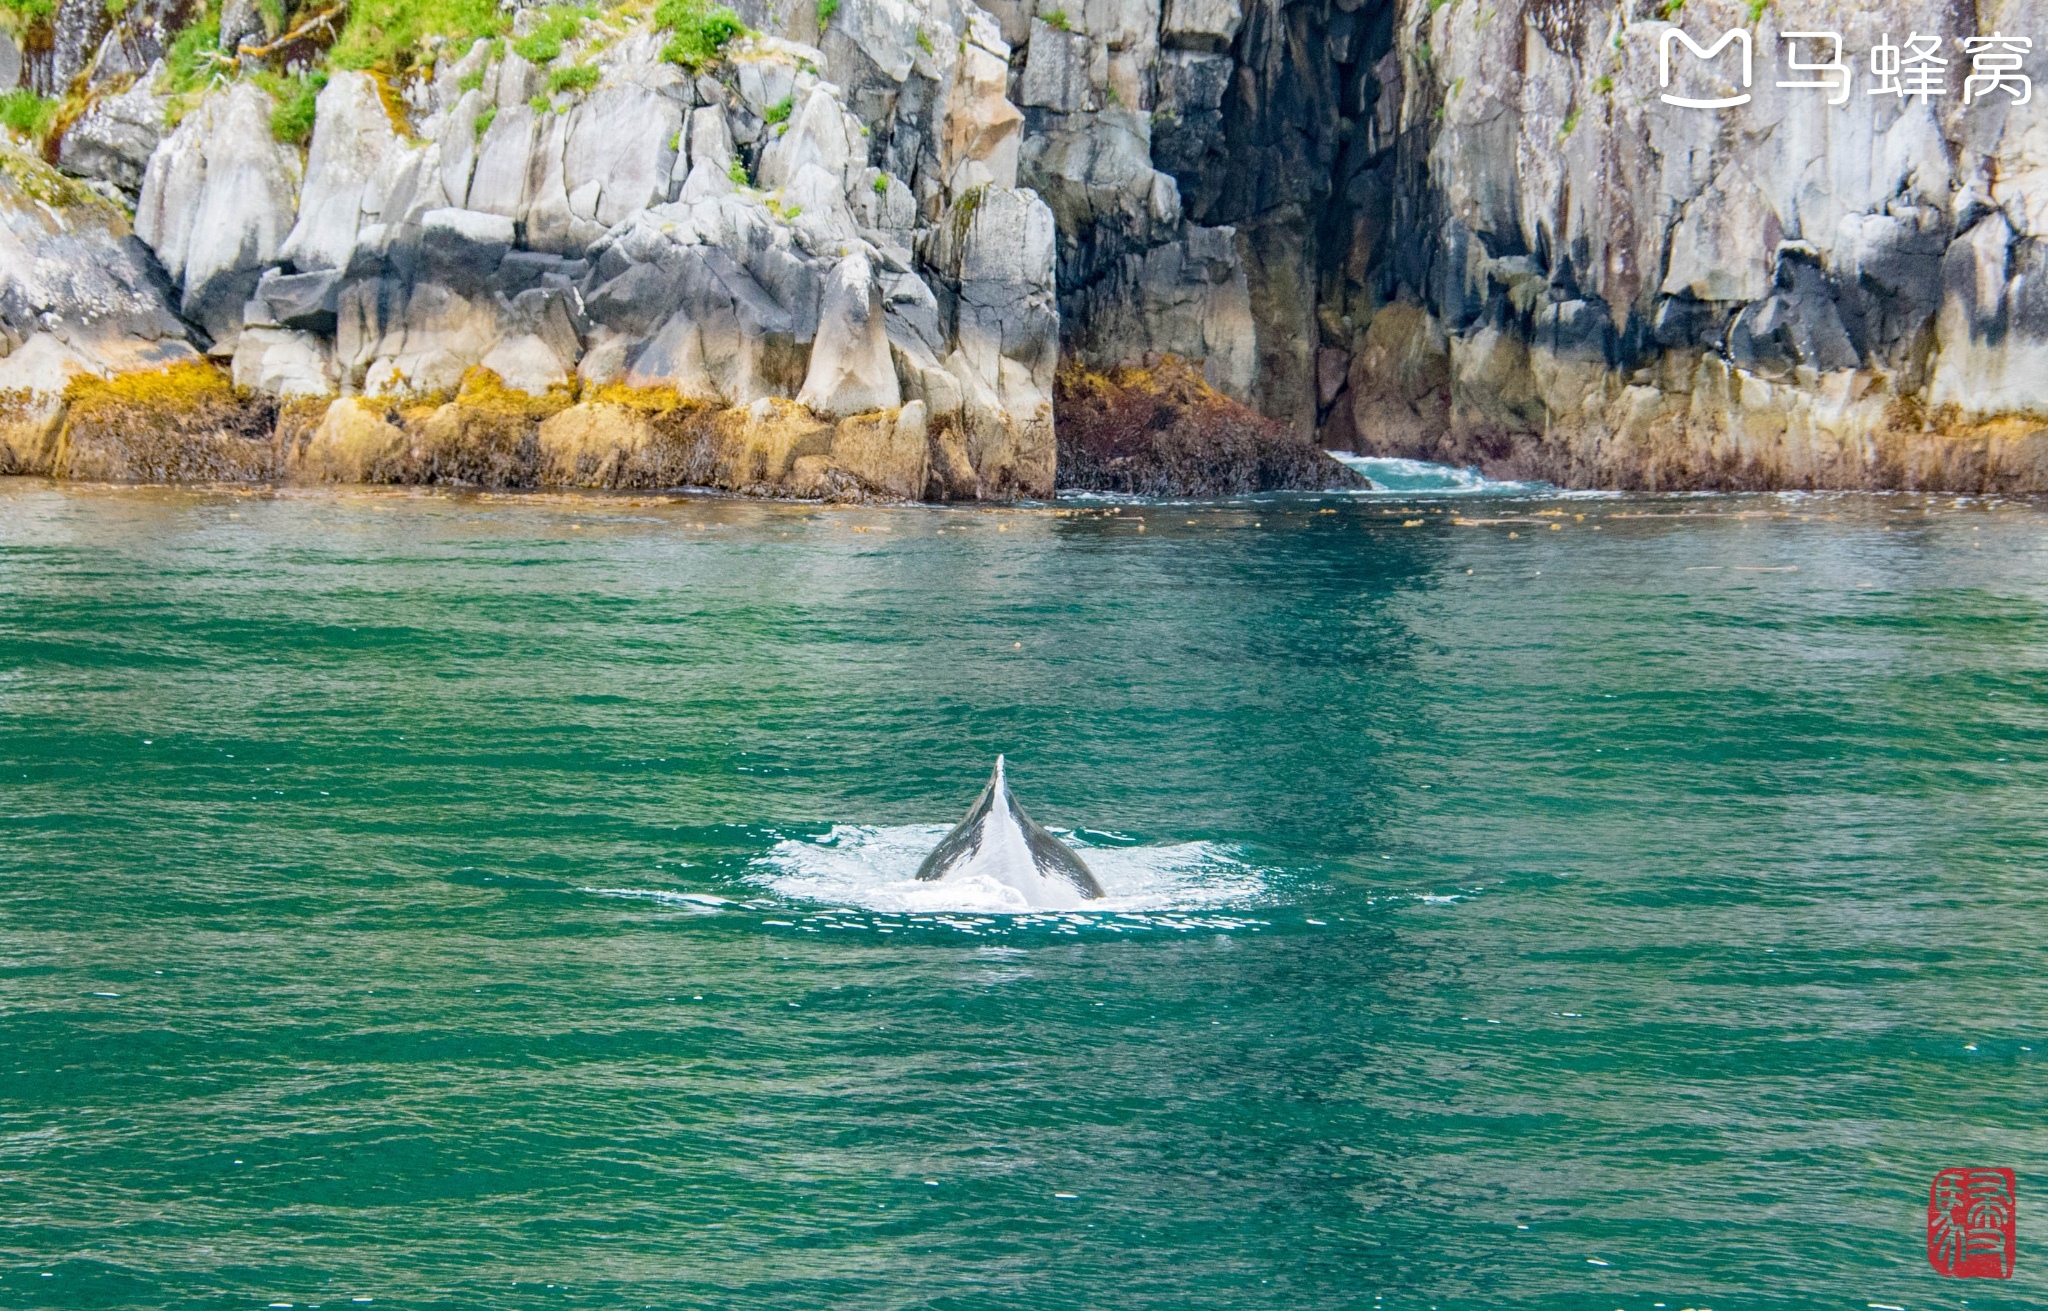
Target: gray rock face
x,y
1187,298
349,171
218,198
1201,24
1614,288
112,141
1056,70
732,238
78,293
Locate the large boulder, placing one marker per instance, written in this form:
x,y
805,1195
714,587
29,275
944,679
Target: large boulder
x,y
851,371
888,452
355,442
347,171
112,140
79,295
218,199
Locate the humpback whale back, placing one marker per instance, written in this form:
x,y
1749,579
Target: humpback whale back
x,y
998,840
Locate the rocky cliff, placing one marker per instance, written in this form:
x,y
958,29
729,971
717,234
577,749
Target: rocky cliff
x,y
845,246
1537,262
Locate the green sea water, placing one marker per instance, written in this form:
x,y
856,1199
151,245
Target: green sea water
x,y
1515,901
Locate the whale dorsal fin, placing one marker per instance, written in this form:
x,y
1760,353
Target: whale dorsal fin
x,y
999,840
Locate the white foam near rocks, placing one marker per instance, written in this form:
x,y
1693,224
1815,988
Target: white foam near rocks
x,y
1393,474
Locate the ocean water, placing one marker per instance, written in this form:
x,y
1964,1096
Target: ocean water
x,y
1514,901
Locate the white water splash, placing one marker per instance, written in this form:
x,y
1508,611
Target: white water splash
x,y
1395,475
875,868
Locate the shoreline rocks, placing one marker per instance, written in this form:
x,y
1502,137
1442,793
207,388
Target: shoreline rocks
x,y
191,423
1162,430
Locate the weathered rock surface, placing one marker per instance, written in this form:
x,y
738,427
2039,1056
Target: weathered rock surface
x,y
79,297
1532,262
735,238
218,198
180,424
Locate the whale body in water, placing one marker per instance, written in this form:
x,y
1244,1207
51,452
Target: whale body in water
x,y
999,841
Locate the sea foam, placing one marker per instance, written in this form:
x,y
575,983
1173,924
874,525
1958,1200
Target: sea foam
x,y
1391,474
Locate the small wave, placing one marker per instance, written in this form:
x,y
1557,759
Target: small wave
x,y
1390,474
875,867
702,902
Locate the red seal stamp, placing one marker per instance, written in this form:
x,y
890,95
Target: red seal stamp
x,y
1971,1214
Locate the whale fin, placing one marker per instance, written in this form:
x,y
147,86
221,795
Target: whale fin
x,y
1000,841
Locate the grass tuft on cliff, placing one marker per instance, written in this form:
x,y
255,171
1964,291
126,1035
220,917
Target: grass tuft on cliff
x,y
27,114
389,36
562,24
297,100
190,60
573,77
699,33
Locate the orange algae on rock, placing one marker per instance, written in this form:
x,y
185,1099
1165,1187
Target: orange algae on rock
x,y
185,423
1162,430
487,436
